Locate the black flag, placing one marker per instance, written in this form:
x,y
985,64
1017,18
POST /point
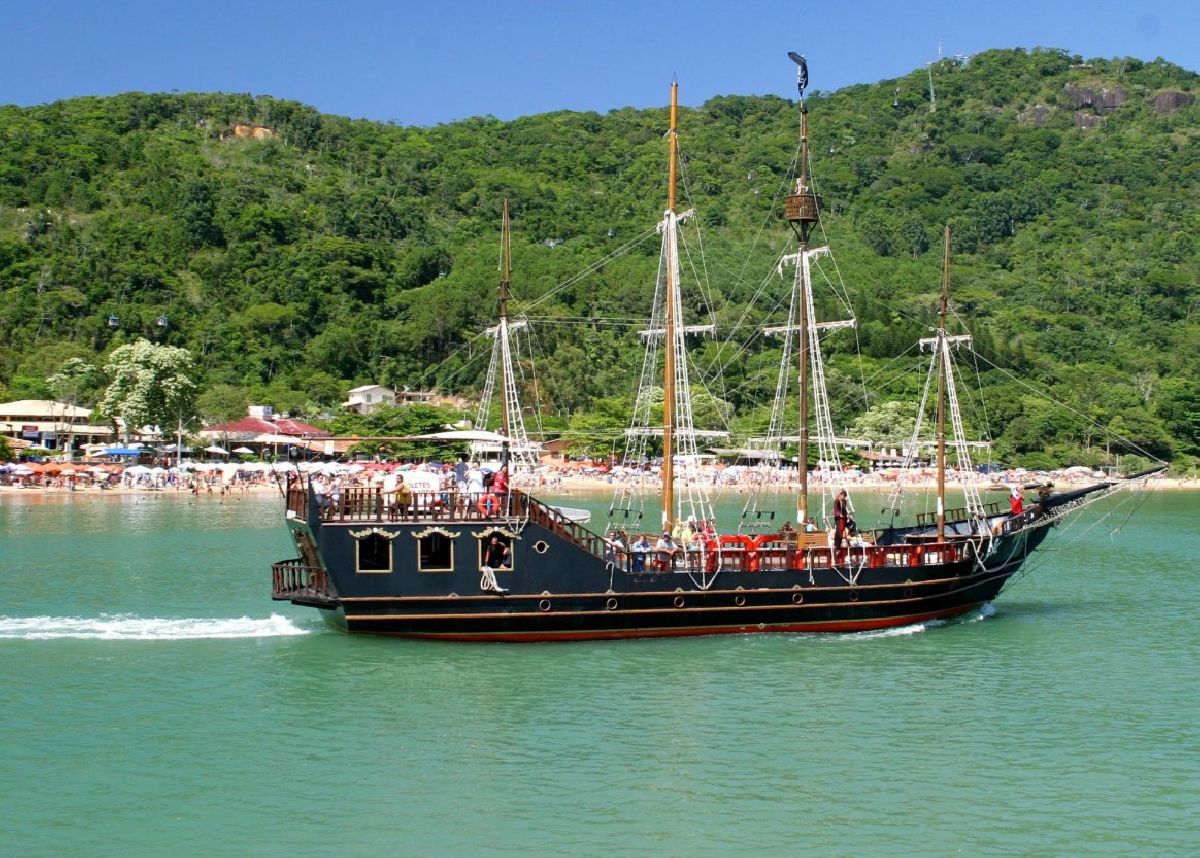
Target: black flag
x,y
801,71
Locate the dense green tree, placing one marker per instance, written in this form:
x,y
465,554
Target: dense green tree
x,y
222,403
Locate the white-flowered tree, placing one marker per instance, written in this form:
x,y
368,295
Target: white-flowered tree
x,y
151,386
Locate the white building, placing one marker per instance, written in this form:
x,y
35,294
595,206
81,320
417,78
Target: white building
x,y
370,397
51,424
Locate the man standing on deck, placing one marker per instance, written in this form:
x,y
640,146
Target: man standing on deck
x,y
500,487
841,515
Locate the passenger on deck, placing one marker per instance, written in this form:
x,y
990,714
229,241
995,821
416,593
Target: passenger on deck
x,y
474,481
841,514
614,549
640,549
665,549
691,535
335,497
320,487
388,490
404,497
500,487
1016,503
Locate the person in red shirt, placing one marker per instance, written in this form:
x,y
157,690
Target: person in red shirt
x,y
1016,502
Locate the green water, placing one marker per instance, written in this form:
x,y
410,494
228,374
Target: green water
x,y
157,702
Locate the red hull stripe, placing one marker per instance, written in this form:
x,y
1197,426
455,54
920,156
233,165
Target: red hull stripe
x,y
839,626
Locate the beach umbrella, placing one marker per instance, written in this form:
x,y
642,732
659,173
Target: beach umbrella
x,y
68,472
137,470
216,450
243,451
23,470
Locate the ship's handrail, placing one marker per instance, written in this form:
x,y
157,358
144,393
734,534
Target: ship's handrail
x,y
957,514
527,506
293,579
368,503
297,497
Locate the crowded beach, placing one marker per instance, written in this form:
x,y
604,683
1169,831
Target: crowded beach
x,y
563,478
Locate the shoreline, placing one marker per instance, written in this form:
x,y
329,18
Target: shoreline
x,y
585,486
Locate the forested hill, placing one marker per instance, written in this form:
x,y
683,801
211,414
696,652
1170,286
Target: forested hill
x,y
297,254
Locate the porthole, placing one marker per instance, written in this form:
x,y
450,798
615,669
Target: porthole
x,y
679,602
544,605
797,598
853,596
611,604
541,546
908,592
739,600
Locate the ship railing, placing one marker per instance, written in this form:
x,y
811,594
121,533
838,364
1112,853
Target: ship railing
x,y
369,503
292,579
782,555
961,513
525,506
297,498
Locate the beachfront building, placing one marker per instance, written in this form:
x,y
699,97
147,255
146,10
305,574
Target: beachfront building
x,y
53,425
263,434
369,398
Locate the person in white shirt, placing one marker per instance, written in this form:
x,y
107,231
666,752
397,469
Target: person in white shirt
x,y
474,479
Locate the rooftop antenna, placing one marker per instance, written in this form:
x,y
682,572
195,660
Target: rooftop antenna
x,y
932,94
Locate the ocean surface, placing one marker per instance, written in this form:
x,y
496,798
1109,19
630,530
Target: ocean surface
x,y
157,702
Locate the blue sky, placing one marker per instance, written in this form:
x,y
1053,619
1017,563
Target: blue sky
x,y
420,63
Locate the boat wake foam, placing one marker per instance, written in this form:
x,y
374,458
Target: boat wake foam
x,y
987,610
126,627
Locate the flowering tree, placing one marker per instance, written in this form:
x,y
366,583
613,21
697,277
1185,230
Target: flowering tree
x,y
150,385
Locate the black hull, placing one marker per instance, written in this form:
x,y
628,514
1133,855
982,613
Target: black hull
x,y
654,615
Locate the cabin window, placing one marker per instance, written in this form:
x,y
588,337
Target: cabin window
x,y
495,550
374,553
895,558
435,553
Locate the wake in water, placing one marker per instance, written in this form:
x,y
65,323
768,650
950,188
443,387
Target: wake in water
x,y
127,628
916,628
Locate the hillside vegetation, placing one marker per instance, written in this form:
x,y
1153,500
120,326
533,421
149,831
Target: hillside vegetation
x,y
297,254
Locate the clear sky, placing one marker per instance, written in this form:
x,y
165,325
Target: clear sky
x,y
420,63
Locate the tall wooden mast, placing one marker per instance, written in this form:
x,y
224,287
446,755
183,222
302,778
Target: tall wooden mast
x,y
505,275
941,396
668,463
801,209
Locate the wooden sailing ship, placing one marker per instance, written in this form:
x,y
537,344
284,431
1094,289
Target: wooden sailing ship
x,y
511,567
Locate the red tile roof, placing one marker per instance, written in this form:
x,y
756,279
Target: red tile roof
x,y
258,426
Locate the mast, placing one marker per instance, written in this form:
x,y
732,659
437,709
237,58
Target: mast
x,y
668,463
512,424
801,209
941,394
505,273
